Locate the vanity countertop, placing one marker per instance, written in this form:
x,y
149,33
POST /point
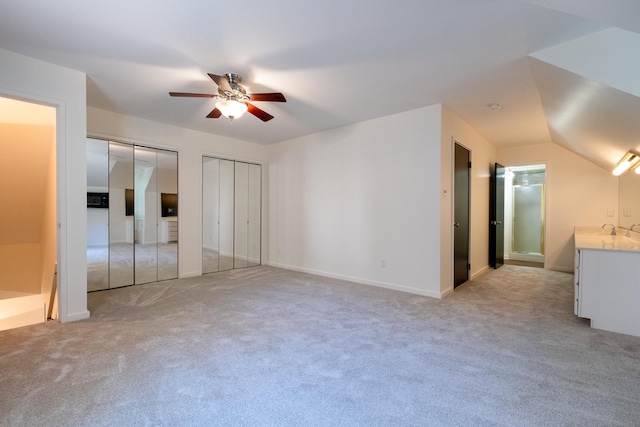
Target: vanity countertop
x,y
597,238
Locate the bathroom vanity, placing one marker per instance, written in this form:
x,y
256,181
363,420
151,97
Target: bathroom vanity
x,y
606,284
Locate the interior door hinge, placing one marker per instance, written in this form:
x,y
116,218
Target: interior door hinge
x,y
469,165
469,267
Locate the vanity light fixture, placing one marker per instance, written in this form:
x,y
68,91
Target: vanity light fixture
x,y
631,159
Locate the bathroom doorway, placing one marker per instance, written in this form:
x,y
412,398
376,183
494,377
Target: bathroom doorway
x,y
525,195
28,230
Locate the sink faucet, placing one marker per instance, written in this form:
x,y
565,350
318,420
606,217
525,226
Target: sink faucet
x,y
632,225
613,228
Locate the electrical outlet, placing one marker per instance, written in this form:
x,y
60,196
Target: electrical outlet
x,y
383,263
610,212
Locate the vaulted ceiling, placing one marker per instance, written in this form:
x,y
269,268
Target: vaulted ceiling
x,y
562,70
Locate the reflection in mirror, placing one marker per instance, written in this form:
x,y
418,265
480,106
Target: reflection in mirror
x,y
132,214
629,200
168,188
121,233
146,216
97,214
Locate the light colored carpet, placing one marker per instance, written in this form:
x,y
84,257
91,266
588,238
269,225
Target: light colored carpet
x,y
268,347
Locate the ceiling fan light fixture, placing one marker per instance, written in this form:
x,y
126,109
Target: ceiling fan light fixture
x,y
231,108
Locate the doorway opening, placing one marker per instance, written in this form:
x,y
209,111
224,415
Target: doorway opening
x,y
525,207
28,230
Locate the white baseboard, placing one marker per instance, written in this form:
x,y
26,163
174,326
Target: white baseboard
x,y
480,272
189,274
378,284
75,316
559,268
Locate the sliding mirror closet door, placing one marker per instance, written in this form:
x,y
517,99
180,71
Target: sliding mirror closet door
x,y
132,214
254,215
121,220
210,214
217,214
146,216
247,215
97,214
167,181
227,172
231,214
240,253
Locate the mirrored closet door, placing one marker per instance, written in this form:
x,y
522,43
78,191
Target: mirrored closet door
x,y
97,214
132,214
121,225
231,215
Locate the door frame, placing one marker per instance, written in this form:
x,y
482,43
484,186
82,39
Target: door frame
x,y
56,295
546,200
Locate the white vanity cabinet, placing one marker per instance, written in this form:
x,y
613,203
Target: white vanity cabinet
x,y
169,230
606,283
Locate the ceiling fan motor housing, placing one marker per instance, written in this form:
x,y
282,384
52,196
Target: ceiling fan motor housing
x,y
237,92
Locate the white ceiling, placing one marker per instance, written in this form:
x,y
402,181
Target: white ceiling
x,y
337,62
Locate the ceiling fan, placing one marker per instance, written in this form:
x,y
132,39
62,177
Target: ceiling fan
x,y
233,99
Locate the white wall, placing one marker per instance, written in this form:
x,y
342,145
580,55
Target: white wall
x,y
191,146
578,193
342,201
483,155
37,81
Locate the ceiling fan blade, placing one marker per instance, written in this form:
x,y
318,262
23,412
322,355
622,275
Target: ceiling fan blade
x,y
262,115
271,97
214,114
191,95
222,82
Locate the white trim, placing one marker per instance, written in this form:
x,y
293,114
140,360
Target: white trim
x,y
532,257
479,273
375,283
61,196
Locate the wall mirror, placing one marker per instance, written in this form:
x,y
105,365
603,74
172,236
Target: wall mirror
x,y
132,214
231,214
629,201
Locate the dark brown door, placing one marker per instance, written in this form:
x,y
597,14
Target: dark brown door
x,y
496,216
462,168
